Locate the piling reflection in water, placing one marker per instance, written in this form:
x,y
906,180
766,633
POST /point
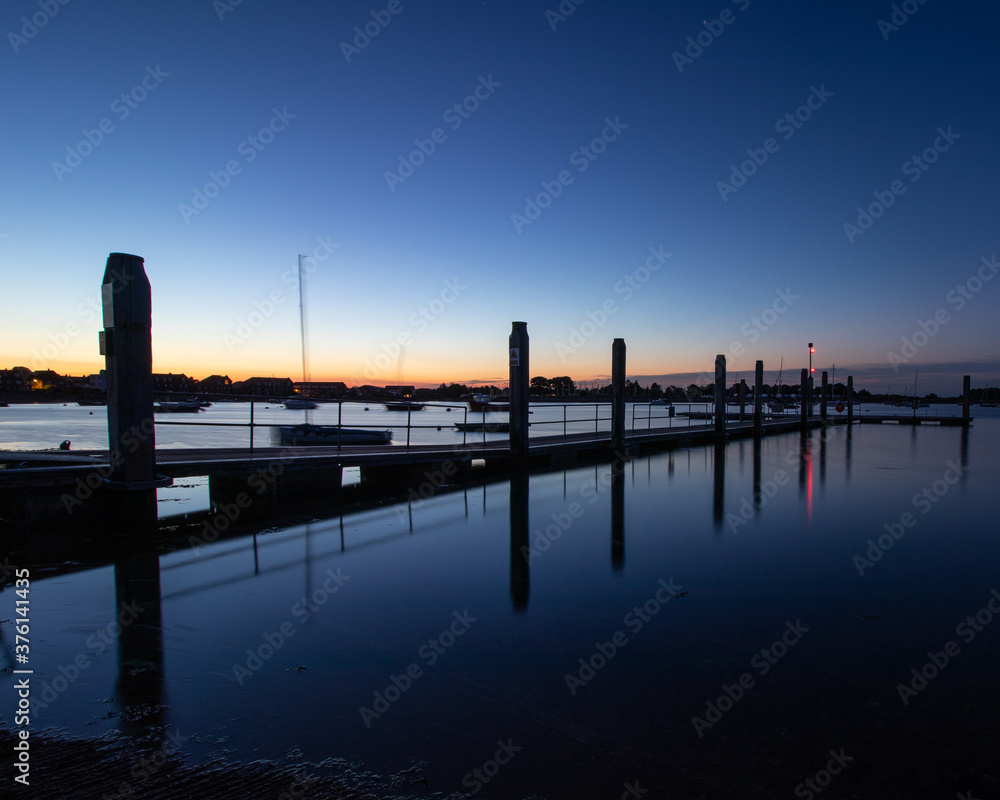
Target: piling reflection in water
x,y
520,569
140,685
719,485
617,514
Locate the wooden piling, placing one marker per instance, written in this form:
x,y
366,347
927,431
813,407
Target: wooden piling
x,y
720,395
804,397
758,397
618,393
966,398
822,400
519,384
126,343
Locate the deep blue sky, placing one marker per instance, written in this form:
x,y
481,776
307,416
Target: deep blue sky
x,y
323,178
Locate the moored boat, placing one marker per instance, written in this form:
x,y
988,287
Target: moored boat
x,y
404,405
479,427
299,403
329,435
177,406
483,402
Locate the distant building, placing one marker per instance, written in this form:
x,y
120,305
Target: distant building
x,y
265,387
400,391
169,382
321,388
17,379
99,382
369,391
214,384
45,380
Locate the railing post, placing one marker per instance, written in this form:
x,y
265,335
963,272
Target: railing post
x,y
804,397
758,397
822,400
519,383
251,424
618,393
720,395
850,399
743,397
966,398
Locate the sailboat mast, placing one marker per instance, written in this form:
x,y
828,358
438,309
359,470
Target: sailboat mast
x,y
302,324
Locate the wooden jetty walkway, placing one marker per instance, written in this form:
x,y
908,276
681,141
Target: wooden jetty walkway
x,y
121,482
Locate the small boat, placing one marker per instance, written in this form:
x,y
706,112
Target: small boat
x,y
91,402
483,402
479,427
660,402
178,406
404,405
330,435
299,403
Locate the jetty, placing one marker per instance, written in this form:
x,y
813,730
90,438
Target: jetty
x,y
120,483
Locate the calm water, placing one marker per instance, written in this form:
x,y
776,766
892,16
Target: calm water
x,y
431,618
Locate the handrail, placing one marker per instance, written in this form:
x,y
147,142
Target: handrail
x,y
565,419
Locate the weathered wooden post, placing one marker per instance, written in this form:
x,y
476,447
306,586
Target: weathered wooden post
x,y
804,397
758,397
743,397
822,399
618,394
850,399
720,395
966,398
519,384
127,345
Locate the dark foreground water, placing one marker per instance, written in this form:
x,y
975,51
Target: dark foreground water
x,y
731,622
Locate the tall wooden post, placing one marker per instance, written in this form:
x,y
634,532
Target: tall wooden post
x,y
822,400
127,345
804,397
618,394
758,397
850,399
720,395
519,384
966,398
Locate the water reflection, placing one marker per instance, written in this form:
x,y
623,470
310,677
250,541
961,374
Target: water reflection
x,y
139,689
520,569
719,485
224,598
618,514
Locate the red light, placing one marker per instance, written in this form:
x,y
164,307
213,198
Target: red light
x,y
812,369
812,349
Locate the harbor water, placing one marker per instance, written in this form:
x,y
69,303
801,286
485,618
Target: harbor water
x,y
724,621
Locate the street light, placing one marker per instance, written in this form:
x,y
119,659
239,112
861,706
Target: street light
x,y
811,371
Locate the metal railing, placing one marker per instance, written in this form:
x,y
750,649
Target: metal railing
x,y
254,400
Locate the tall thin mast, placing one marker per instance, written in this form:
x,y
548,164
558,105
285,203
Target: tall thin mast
x,y
302,324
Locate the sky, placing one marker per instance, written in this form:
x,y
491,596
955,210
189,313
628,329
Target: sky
x,y
698,178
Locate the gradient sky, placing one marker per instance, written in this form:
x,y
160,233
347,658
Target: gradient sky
x,y
348,112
